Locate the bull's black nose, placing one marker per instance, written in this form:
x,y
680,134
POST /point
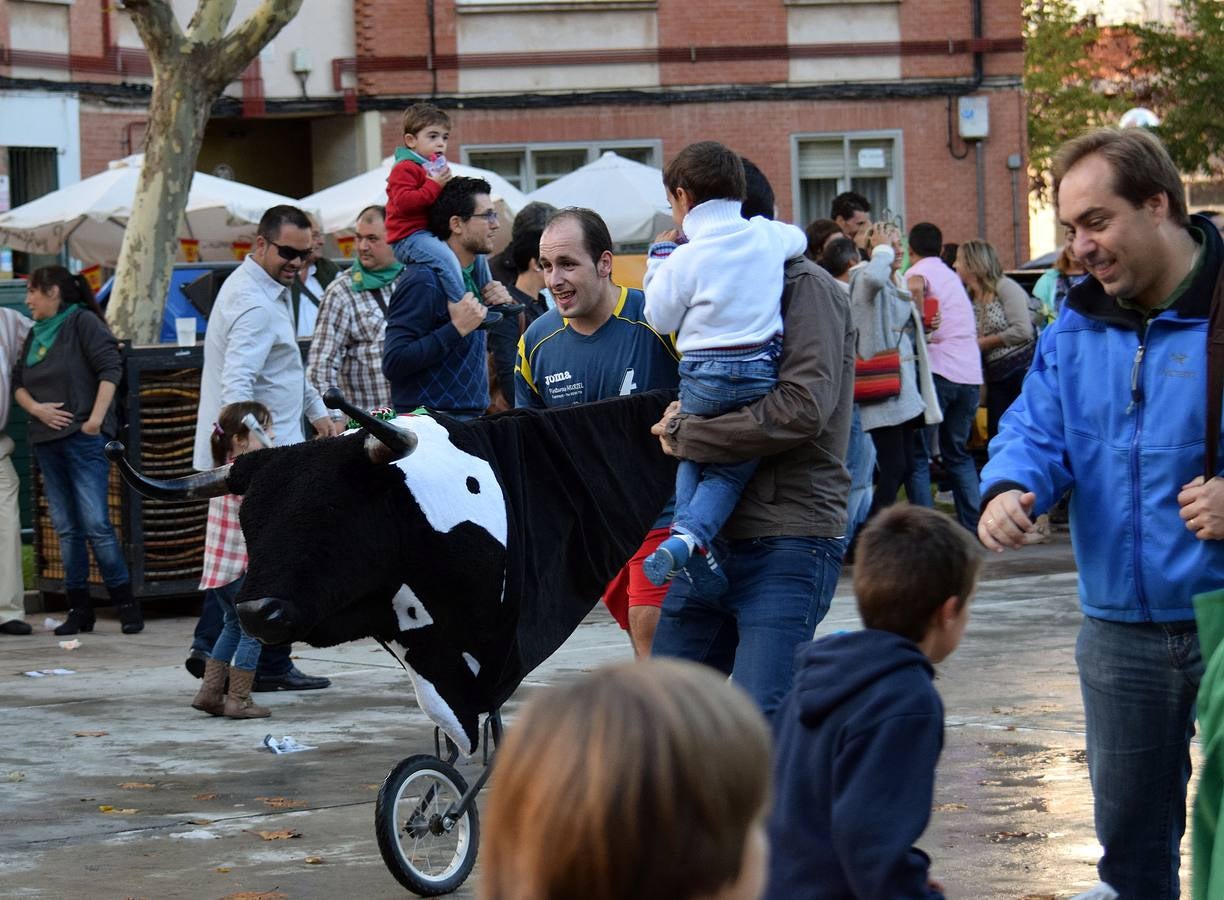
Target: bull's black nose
x,y
270,619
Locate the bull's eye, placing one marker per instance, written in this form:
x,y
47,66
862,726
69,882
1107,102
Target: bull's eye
x,y
473,485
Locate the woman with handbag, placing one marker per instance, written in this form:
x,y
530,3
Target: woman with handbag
x,y
893,384
1004,325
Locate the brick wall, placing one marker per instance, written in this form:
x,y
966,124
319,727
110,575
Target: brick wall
x,y
402,29
105,135
718,23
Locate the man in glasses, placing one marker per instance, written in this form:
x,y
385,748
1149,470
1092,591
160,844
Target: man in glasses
x,y
251,353
434,352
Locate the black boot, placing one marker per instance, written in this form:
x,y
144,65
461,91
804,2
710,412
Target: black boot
x,y
130,619
80,612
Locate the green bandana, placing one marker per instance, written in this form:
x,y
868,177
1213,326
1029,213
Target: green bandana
x,y
44,334
403,153
372,279
469,279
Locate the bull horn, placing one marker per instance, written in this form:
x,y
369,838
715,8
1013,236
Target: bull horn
x,y
200,486
400,443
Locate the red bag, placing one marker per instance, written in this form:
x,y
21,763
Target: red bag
x,y
878,378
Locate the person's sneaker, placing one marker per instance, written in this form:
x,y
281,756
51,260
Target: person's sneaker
x,y
15,626
293,680
669,557
706,575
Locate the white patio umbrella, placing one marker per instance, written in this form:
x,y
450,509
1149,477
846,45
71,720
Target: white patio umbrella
x,y
628,195
89,217
339,204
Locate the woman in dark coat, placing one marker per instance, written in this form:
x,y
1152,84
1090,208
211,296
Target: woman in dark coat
x,y
65,378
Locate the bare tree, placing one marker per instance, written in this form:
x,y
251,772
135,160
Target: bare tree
x,y
190,70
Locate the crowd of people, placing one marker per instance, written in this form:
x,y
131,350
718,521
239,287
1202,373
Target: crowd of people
x,y
820,372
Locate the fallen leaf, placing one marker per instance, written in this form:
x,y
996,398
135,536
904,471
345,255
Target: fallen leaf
x,y
199,821
949,807
314,860
255,895
90,733
1038,897
105,808
282,802
282,835
209,796
117,811
137,786
223,869
16,776
371,787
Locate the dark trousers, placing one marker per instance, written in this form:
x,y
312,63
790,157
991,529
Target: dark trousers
x,y
273,661
895,458
999,396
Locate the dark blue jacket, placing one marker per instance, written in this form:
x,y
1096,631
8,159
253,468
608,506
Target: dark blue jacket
x,y
427,362
858,738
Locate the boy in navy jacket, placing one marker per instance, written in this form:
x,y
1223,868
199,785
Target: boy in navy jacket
x,y
859,734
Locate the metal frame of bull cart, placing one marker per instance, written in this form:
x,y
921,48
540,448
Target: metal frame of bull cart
x,y
424,783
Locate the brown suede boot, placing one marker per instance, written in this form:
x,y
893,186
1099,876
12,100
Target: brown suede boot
x,y
238,702
211,696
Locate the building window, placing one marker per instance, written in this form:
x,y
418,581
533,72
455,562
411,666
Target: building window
x,y
531,166
866,162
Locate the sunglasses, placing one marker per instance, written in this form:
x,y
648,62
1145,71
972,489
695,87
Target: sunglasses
x,y
289,254
489,215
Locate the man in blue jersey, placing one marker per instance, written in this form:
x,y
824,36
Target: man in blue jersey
x,y
596,344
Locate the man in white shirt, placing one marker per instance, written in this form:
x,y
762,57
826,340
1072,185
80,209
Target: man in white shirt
x,y
251,353
13,330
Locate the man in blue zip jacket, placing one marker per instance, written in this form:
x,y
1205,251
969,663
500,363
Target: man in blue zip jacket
x,y
1114,409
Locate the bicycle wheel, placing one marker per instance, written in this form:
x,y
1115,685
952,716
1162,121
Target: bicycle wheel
x,y
425,852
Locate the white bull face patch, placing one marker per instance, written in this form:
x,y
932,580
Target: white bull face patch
x,y
451,485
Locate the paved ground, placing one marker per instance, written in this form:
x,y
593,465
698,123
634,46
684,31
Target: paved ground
x,y
167,802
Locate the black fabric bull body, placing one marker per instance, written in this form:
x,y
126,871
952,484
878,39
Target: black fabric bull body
x,y
479,552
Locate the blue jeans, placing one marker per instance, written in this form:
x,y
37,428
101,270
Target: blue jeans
x,y
234,645
959,403
424,248
706,494
861,462
274,661
1139,683
918,485
780,591
76,476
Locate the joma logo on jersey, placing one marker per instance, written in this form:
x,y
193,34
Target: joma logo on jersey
x,y
557,376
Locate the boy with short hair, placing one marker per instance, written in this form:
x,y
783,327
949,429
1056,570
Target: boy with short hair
x,y
860,733
717,284
416,179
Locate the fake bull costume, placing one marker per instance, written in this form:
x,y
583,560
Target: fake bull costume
x,y
477,546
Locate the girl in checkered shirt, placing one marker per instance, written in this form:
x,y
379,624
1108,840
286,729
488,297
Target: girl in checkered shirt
x,y
235,653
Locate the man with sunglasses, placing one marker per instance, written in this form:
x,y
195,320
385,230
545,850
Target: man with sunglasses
x,y
434,351
251,353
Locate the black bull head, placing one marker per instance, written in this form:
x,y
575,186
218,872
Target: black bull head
x,y
477,546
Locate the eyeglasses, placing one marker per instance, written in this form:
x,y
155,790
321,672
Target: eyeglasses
x,y
289,254
489,215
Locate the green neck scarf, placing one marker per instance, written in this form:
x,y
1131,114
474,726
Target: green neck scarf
x,y
372,279
403,153
469,279
44,333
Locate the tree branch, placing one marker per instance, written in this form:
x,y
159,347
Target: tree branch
x,y
241,45
158,28
210,20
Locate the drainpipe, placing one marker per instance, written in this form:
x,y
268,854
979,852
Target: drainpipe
x,y
431,62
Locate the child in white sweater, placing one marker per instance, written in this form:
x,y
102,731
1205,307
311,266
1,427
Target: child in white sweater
x,y
718,285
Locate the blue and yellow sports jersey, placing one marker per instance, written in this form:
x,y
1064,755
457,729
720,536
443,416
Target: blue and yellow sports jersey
x,y
557,366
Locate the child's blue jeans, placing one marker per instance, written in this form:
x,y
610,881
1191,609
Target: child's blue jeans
x,y
234,645
710,386
424,248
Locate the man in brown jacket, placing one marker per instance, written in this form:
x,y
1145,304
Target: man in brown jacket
x,y
783,545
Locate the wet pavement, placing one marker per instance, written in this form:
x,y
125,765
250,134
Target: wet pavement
x,y
112,786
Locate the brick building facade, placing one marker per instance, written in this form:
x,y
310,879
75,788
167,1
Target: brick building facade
x,y
824,95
